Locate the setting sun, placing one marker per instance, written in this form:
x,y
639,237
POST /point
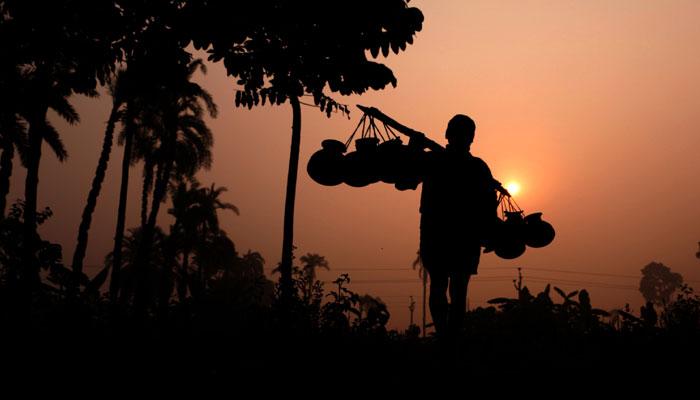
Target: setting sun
x,y
513,187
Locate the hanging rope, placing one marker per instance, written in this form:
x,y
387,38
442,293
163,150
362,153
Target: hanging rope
x,y
376,132
508,205
368,128
389,132
361,123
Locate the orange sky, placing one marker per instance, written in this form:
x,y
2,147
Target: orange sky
x,y
593,106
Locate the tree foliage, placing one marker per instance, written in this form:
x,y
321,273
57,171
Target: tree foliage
x,y
285,48
658,283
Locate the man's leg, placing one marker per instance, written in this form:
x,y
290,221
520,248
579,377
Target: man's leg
x,y
438,301
458,301
459,281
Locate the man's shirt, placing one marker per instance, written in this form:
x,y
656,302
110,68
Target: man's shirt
x,y
458,190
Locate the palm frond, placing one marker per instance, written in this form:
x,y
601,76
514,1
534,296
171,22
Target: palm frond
x,y
64,109
53,139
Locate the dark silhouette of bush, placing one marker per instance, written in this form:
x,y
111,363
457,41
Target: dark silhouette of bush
x,y
682,315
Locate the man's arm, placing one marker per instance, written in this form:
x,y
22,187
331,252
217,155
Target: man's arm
x,y
494,184
414,164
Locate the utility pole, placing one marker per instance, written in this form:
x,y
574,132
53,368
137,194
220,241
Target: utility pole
x,y
411,308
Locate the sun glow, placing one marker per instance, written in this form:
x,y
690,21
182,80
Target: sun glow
x,y
513,187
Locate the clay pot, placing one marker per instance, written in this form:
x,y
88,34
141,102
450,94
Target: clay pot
x,y
538,233
390,155
361,166
327,165
405,169
510,237
510,249
407,184
490,234
367,144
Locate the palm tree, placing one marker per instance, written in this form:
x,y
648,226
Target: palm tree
x,y
130,85
40,92
183,232
251,265
312,261
211,204
114,116
53,54
13,128
146,142
13,136
161,113
196,222
423,274
184,138
195,208
121,209
213,256
136,273
145,149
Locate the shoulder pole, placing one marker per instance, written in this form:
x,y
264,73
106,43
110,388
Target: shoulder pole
x,y
411,133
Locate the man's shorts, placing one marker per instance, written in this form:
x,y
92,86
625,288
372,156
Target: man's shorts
x,y
448,247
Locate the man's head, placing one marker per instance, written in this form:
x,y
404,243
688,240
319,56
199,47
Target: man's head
x,y
460,131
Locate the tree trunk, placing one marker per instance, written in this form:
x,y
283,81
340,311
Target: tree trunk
x,y
146,190
184,278
309,289
286,284
159,192
141,298
83,230
197,288
121,213
201,281
8,154
30,267
166,279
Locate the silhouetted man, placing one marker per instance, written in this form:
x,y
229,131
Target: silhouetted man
x,y
458,201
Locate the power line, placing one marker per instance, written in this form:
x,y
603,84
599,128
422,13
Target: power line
x,y
586,284
575,281
419,281
481,277
524,269
482,268
570,272
535,279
